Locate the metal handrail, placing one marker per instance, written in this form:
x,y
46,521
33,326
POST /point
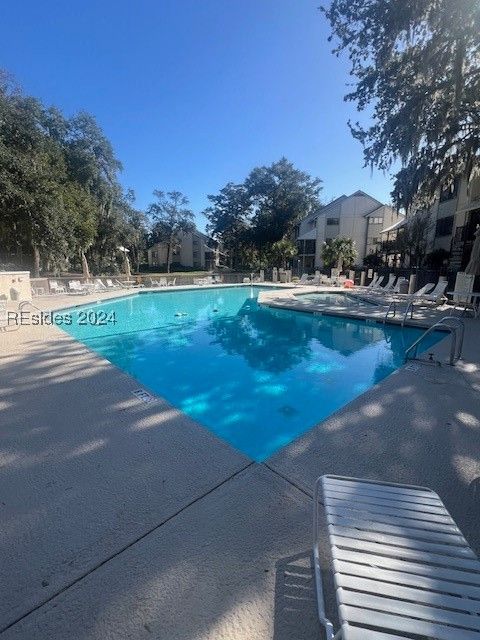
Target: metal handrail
x,y
410,308
461,327
454,354
394,304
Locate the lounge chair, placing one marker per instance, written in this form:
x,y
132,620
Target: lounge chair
x,y
55,287
370,285
401,567
388,287
424,290
75,287
303,279
307,280
150,282
99,286
109,284
374,282
377,284
171,283
437,296
400,282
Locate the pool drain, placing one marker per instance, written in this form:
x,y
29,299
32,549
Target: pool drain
x,y
143,395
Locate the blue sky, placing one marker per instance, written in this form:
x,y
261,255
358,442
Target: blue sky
x,y
194,93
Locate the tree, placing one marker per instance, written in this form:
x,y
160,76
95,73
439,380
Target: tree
x,y
250,218
417,64
282,252
61,204
30,191
172,220
373,260
339,252
281,196
414,237
228,220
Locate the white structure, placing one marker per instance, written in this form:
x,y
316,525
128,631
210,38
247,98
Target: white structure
x,y
358,216
15,285
194,251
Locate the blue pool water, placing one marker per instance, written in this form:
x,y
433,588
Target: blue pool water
x,y
334,299
256,377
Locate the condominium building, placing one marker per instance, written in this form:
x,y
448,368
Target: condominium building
x,y
358,216
193,251
455,215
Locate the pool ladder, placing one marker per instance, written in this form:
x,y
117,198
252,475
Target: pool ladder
x,y
457,331
392,309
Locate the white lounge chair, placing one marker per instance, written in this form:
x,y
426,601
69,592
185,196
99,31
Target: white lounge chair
x,y
55,287
388,287
309,281
400,282
437,296
99,286
75,287
111,285
374,282
171,283
370,285
150,282
424,290
303,279
377,284
401,566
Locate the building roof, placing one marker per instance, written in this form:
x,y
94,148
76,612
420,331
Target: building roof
x,y
327,207
395,226
369,213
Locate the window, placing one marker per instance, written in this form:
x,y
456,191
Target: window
x,y
154,257
449,192
375,220
444,226
309,246
333,221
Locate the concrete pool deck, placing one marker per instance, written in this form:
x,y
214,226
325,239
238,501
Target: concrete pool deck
x,y
129,520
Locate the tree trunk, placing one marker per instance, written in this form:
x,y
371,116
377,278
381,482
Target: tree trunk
x,y
85,268
36,261
169,254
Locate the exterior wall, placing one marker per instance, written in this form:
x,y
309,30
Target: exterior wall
x,y
191,252
348,216
453,222
458,208
389,217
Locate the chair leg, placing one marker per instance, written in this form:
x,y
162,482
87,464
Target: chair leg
x,y
325,622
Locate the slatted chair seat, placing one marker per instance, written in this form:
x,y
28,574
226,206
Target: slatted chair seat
x,y
401,566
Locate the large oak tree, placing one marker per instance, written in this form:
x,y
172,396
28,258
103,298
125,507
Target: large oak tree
x,y
416,66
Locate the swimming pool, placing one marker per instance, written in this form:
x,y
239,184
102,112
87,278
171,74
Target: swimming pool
x,y
334,299
256,377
